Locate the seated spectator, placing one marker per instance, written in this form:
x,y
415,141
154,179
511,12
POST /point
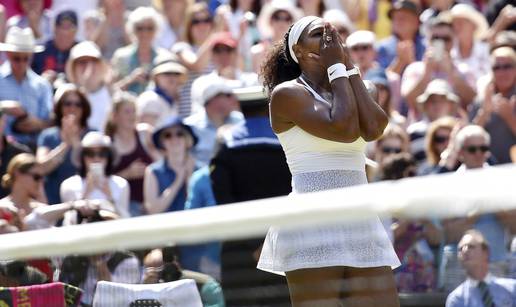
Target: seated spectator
x,y
470,53
225,58
133,145
132,64
165,180
52,60
393,141
86,69
437,139
194,50
95,158
497,103
55,144
480,288
35,14
219,105
162,266
472,150
438,100
162,101
405,45
414,240
8,149
29,95
85,271
437,63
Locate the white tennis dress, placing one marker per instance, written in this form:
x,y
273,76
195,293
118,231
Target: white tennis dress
x,y
318,164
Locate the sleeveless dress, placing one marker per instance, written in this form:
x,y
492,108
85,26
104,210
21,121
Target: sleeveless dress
x,y
318,164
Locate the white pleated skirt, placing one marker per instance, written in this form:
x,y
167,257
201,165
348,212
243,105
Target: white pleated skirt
x,y
362,243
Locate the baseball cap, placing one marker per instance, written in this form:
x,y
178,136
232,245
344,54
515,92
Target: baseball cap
x,y
404,5
224,38
66,15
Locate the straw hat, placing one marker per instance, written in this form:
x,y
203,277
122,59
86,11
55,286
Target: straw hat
x,y
20,40
468,12
272,7
438,87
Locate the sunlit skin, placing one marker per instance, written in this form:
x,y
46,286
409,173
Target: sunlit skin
x,y
405,24
476,159
443,133
201,31
505,76
438,106
20,62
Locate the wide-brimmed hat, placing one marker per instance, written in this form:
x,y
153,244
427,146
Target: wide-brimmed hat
x,y
466,11
438,87
361,37
169,122
85,49
169,67
90,140
20,40
272,7
404,5
251,95
215,88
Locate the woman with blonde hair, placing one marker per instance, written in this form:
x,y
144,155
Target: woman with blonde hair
x,y
436,141
393,141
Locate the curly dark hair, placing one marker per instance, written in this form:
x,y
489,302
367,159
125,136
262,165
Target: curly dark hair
x,y
279,66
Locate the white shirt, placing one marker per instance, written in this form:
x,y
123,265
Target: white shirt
x,y
100,103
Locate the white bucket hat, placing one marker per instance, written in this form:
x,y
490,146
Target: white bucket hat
x,y
466,11
438,87
20,40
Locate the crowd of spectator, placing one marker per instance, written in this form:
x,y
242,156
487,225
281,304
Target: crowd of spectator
x,y
121,108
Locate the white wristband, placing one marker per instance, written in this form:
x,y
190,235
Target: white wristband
x,y
353,71
337,71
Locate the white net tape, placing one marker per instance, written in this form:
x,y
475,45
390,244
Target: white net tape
x,y
450,195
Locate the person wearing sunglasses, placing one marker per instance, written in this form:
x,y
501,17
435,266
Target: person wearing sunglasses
x,y
95,181
165,181
473,147
132,64
437,139
25,96
55,144
393,141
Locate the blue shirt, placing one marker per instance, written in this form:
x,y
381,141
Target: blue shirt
x,y
502,290
252,131
165,176
387,50
34,94
200,195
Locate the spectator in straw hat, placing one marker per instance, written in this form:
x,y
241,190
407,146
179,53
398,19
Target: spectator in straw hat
x,y
29,95
162,101
470,27
86,69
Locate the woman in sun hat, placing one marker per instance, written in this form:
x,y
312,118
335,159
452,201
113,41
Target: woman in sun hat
x,y
470,54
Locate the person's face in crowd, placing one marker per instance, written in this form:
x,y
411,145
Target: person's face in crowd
x,y
175,139
145,31
471,253
363,54
125,116
31,6
95,155
281,21
404,24
224,56
504,72
222,104
82,65
202,24
463,28
173,8
443,33
441,139
383,96
169,82
19,61
438,106
72,105
65,34
31,180
388,146
474,152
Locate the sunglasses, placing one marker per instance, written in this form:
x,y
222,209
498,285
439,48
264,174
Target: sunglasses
x,y
279,17
199,21
168,135
35,176
474,149
361,47
71,103
96,153
20,59
223,49
439,139
503,67
444,38
389,150
145,28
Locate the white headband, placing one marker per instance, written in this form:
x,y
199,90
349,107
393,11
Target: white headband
x,y
295,33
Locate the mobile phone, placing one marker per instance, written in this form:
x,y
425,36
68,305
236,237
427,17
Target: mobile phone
x,y
438,49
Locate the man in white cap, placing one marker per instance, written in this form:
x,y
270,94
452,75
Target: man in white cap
x,y
220,107
25,96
